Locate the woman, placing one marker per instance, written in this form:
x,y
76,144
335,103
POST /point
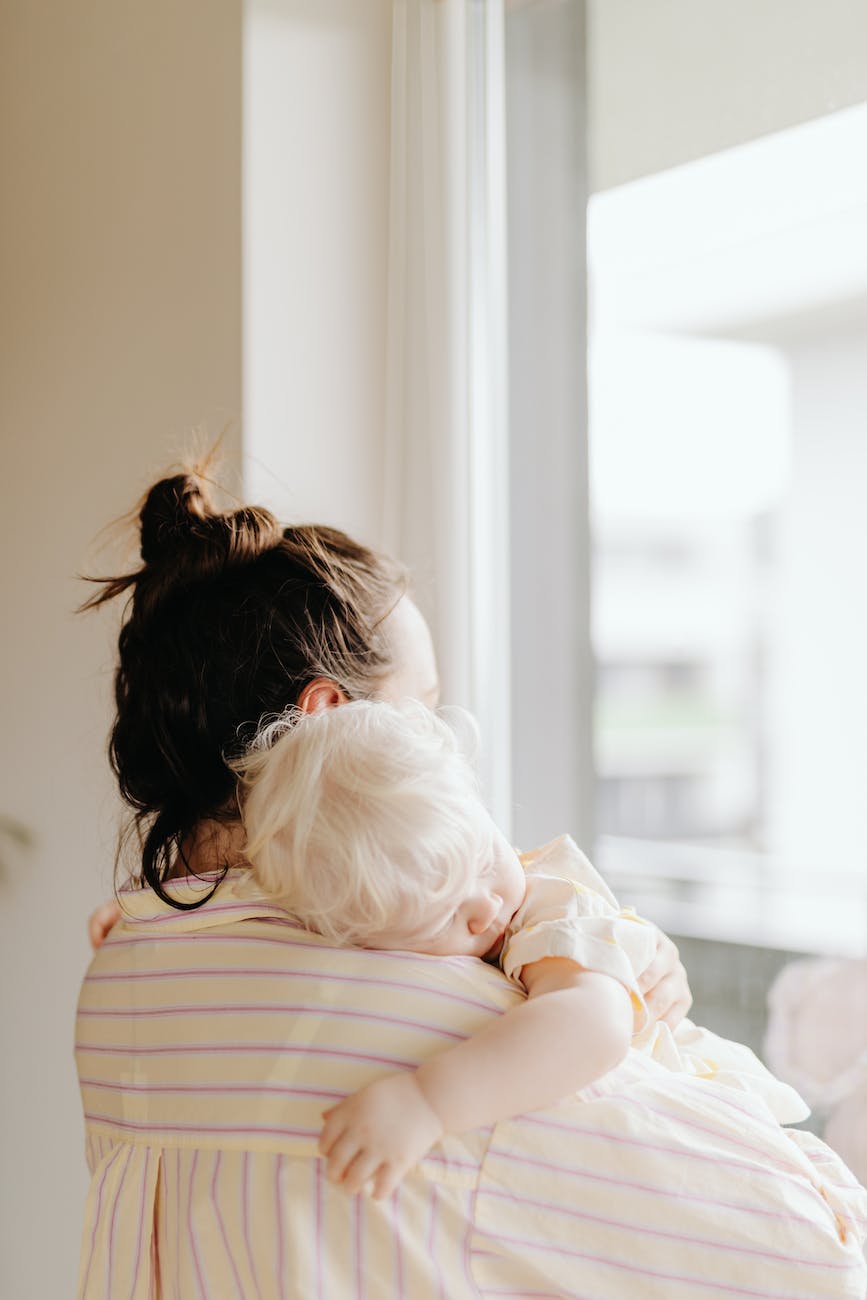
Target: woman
x,y
212,1032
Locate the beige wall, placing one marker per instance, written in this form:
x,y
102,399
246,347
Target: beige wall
x,y
317,99
673,80
120,131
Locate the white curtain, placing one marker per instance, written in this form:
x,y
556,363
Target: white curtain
x,y
446,483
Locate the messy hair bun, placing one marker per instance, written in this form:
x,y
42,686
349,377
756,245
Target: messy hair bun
x,y
185,539
178,520
229,617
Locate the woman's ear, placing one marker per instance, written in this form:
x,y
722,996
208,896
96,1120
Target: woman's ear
x,y
321,693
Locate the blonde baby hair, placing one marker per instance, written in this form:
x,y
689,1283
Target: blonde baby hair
x,y
364,818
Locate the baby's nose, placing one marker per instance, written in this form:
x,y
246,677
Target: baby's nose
x,y
484,914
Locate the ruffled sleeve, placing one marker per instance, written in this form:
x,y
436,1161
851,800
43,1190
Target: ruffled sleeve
x,y
565,916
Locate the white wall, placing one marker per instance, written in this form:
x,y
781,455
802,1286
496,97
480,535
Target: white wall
x,y
120,137
673,80
316,194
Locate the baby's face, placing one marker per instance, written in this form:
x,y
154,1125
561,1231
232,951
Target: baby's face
x,y
478,922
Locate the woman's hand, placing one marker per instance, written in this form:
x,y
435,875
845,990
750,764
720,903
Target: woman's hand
x,y
378,1134
664,984
101,921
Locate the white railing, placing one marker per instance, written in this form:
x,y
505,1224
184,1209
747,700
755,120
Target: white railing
x,y
738,896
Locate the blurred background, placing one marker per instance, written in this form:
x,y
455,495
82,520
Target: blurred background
x,y
563,301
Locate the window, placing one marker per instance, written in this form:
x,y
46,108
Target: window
x,y
728,471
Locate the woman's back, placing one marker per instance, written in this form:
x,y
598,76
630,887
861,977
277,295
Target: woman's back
x,y
208,1045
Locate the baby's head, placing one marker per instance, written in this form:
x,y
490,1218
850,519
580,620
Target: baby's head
x,y
365,822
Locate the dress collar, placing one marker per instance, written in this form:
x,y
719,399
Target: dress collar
x,y
237,898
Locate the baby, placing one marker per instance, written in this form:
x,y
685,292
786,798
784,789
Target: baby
x,y
365,822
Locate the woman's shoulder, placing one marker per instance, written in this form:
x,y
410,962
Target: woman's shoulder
x,y
244,928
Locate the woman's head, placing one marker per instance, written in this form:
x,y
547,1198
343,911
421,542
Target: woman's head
x,y
232,619
365,821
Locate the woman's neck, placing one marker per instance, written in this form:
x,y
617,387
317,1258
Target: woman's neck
x,y
209,845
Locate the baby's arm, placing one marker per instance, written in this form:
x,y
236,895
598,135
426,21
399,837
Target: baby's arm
x,y
574,1027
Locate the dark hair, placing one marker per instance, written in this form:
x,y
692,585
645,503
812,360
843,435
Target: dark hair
x,y
230,617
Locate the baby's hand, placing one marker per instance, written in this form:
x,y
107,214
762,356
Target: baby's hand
x,y
101,921
378,1134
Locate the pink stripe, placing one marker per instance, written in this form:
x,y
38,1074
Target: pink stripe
x,y
318,1219
96,1217
141,1217
323,1013
686,1086
245,1218
449,1162
221,1224
396,1237
191,1228
727,1287
222,1049
659,1192
620,1139
278,1165
229,972
520,1295
469,1229
315,944
114,1218
249,1131
431,1239
562,1294
207,1089
254,910
435,1158
783,1165
659,1232
358,1238
455,961
178,1224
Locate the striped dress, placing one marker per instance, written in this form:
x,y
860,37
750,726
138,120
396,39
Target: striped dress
x,y
209,1042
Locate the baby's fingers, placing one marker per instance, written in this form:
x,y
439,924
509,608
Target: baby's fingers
x,y
336,1165
341,1151
386,1181
665,960
360,1172
101,921
334,1127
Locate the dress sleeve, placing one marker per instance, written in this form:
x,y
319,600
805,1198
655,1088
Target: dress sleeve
x,y
562,857
562,917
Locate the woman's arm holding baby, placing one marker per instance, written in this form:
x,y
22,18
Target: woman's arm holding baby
x,y
573,1028
664,984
